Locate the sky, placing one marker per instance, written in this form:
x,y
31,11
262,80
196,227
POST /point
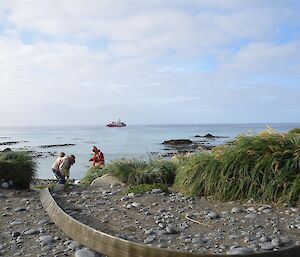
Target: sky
x,y
149,62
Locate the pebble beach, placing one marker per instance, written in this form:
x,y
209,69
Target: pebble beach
x,y
166,220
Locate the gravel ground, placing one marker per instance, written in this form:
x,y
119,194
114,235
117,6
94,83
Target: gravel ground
x,y
181,223
26,229
155,218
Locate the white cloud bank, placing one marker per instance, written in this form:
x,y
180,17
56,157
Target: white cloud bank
x,y
155,62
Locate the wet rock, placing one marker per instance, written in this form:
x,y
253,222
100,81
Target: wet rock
x,y
57,145
11,143
178,142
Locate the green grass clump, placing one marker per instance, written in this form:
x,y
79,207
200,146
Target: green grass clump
x,y
143,188
294,131
137,172
18,167
265,167
92,173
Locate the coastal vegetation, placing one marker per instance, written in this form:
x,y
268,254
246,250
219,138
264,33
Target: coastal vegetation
x,y
137,172
92,173
264,167
18,168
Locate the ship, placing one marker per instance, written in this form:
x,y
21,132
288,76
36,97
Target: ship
x,y
116,124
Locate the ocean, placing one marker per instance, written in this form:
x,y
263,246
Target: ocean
x,y
136,141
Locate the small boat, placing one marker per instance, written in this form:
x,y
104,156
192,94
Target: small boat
x,y
116,124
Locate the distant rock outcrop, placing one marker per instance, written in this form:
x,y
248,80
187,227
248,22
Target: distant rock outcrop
x,y
11,142
58,145
210,136
178,142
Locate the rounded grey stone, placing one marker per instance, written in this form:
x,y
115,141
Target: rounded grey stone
x,y
171,229
264,207
46,240
236,210
33,231
156,191
276,242
212,215
264,239
20,209
266,246
136,205
239,250
15,234
74,245
251,209
150,239
16,222
5,185
86,253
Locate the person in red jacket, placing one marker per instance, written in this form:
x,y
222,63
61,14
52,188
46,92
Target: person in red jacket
x,y
98,158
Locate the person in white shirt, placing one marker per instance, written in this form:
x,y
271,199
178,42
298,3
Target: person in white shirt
x,y
56,169
65,166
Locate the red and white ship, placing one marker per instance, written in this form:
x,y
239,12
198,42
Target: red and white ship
x,y
116,124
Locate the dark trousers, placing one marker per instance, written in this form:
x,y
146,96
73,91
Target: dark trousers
x,y
61,179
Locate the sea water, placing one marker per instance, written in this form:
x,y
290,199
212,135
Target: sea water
x,y
140,141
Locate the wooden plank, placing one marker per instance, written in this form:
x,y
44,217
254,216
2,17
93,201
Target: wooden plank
x,y
116,247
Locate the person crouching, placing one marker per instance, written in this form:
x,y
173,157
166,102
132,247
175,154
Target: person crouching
x,y
65,166
55,168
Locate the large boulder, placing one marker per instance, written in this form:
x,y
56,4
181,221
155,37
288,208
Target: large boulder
x,y
107,180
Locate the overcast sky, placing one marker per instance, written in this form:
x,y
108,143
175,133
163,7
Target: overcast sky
x,y
149,62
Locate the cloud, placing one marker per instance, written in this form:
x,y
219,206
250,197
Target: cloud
x,y
196,58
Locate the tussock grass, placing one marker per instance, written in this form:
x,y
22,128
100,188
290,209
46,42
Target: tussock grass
x,y
265,167
18,167
92,173
294,131
137,171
